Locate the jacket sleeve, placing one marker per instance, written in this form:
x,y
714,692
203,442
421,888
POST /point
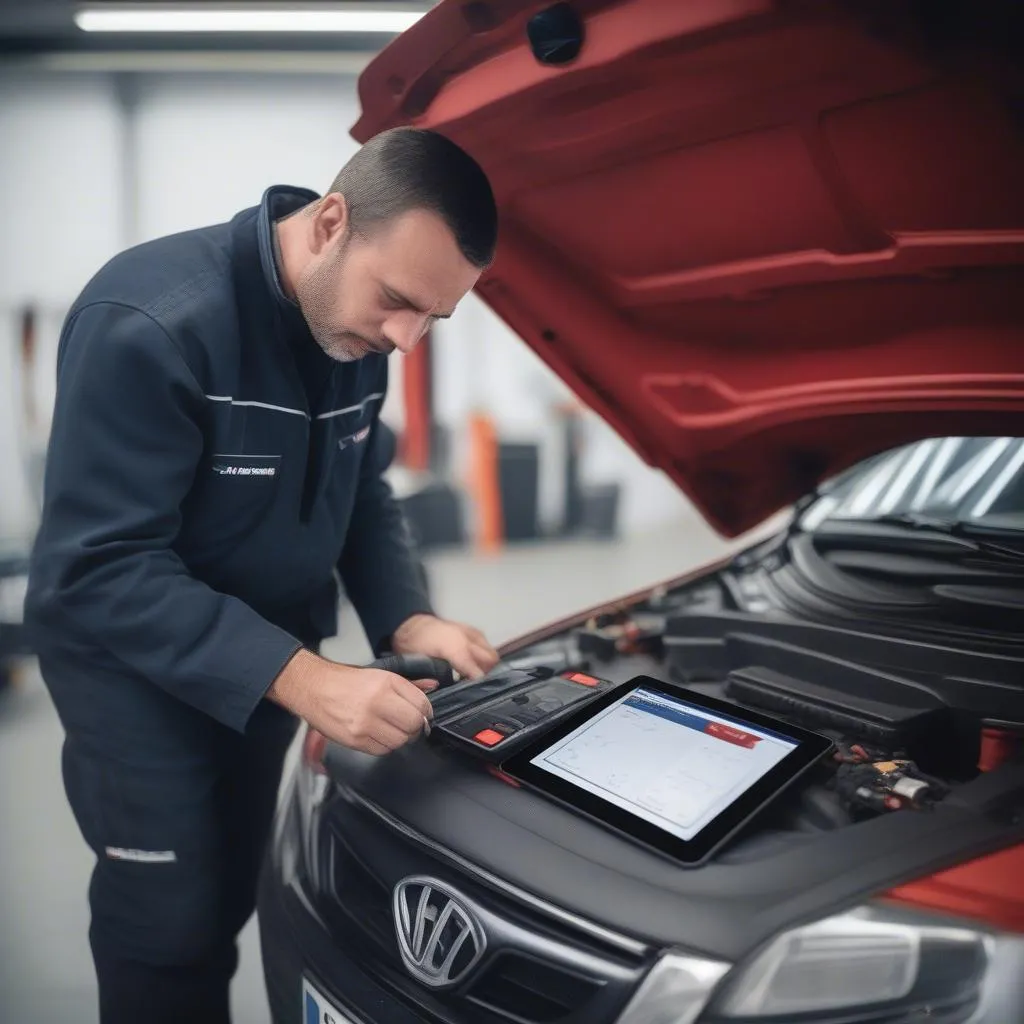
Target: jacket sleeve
x,y
379,567
125,445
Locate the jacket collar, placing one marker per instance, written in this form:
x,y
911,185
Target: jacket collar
x,y
278,201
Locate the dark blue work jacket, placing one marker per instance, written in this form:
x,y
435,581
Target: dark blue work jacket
x,y
210,471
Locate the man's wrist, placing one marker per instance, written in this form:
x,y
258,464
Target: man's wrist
x,y
296,682
406,627
415,618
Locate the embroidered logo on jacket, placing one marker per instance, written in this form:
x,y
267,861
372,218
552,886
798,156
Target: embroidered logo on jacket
x,y
246,465
225,470
356,438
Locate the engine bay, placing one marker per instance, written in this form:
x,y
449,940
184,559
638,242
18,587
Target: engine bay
x,y
928,769
912,721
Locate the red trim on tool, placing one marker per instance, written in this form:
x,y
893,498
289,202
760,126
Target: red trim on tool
x,y
583,680
502,777
488,737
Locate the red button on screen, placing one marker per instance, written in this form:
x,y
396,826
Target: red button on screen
x,y
731,735
488,737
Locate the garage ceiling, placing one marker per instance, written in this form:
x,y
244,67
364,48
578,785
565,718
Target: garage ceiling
x,y
35,27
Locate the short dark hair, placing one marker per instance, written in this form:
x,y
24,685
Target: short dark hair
x,y
405,169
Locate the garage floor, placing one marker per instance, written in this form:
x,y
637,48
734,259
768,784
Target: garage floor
x,y
45,968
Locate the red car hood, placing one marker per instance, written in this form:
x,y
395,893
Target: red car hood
x,y
762,239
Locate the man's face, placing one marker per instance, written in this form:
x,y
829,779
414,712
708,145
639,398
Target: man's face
x,y
381,293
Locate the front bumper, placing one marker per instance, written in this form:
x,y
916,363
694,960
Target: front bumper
x,y
331,841
326,918
296,945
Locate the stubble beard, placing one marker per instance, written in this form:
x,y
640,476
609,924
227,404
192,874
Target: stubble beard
x,y
312,293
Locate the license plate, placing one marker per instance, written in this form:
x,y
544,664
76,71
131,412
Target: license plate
x,y
318,1009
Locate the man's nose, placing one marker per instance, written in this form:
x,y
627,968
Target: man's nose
x,y
406,330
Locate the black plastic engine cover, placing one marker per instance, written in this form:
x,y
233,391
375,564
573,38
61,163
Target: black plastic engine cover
x,y
759,885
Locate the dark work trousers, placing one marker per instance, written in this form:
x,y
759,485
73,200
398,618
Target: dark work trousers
x,y
178,809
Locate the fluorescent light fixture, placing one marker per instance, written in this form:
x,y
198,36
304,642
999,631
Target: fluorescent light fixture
x,y
245,19
335,62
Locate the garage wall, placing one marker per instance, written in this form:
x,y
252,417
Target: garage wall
x,y
91,163
60,143
209,145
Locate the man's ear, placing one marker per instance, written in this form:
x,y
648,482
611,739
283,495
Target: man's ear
x,y
329,222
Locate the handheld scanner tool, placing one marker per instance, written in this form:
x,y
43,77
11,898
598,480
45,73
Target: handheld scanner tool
x,y
419,666
493,718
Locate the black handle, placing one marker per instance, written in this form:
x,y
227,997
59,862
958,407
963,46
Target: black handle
x,y
417,666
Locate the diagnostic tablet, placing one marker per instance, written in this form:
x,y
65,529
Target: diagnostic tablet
x,y
671,769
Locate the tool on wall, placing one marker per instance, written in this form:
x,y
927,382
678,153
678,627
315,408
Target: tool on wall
x,y
32,428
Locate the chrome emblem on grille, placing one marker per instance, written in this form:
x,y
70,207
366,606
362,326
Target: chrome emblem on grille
x,y
439,937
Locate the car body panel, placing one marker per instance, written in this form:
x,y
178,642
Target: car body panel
x,y
763,240
989,890
724,909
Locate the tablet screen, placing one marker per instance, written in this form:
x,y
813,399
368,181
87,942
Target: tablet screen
x,y
674,764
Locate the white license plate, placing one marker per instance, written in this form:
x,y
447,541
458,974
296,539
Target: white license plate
x,y
317,1009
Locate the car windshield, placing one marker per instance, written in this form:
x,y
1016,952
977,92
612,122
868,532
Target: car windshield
x,y
954,481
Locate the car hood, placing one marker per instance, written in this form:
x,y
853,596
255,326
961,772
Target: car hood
x,y
762,239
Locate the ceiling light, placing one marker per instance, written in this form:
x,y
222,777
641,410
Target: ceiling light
x,y
238,19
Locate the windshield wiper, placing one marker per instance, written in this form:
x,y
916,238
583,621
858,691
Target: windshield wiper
x,y
967,537
919,521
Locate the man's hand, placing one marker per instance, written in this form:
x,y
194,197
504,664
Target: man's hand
x,y
466,649
362,708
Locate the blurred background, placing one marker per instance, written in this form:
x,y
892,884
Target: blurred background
x,y
525,505
109,141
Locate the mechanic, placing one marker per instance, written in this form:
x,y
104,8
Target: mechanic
x,y
215,467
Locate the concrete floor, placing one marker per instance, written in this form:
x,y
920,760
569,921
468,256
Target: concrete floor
x,y
45,968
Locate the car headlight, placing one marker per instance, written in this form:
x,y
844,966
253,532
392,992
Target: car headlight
x,y
870,965
878,965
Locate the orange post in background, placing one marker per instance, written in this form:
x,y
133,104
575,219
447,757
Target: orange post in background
x,y
416,391
484,482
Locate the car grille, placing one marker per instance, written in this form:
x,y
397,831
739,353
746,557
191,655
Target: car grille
x,y
535,991
535,971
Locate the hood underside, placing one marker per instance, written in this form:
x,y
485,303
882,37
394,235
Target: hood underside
x,y
762,239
